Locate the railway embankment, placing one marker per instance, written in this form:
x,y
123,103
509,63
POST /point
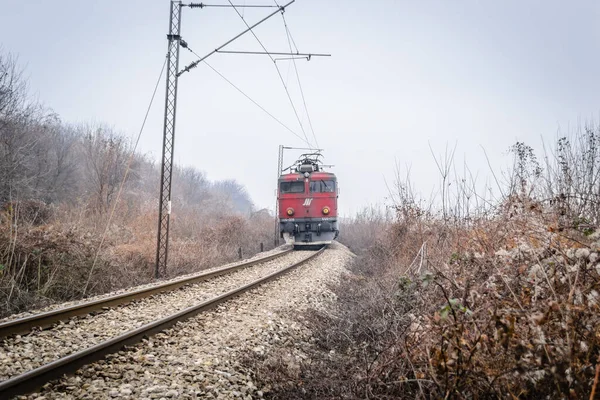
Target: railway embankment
x,y
204,356
509,305
146,286
21,353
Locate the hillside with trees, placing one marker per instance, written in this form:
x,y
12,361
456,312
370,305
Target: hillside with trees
x,y
59,184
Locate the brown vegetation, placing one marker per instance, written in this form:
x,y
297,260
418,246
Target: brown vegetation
x,y
58,186
499,299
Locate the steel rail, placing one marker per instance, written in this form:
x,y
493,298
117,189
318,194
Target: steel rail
x,y
34,379
46,319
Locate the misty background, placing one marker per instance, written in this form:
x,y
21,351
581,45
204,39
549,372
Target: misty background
x,y
403,76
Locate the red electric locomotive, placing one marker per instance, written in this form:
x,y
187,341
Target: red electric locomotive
x,y
307,198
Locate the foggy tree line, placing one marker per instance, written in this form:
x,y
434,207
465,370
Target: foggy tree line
x,y
43,158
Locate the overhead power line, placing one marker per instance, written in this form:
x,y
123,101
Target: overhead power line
x,y
202,5
289,35
195,63
175,42
274,53
127,169
249,98
278,73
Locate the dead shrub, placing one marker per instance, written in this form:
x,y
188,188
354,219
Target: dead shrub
x,y
52,262
50,250
485,298
522,322
33,212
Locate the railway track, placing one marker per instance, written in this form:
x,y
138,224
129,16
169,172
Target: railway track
x,y
47,319
38,376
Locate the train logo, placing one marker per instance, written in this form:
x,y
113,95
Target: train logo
x,y
307,202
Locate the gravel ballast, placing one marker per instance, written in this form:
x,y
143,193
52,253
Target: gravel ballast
x,y
201,356
57,306
19,354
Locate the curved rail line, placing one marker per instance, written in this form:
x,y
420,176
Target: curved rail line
x,y
31,380
47,319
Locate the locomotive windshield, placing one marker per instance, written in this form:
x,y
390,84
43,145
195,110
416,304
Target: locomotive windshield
x,y
322,186
292,187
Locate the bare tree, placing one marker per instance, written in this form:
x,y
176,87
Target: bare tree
x,y
235,193
572,178
24,136
105,162
190,187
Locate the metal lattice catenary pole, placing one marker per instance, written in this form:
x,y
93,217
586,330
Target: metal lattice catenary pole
x,y
173,73
166,172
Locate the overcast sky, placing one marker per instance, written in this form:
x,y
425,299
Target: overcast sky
x,y
403,75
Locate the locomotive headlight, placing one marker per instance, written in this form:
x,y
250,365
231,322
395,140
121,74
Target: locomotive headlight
x,y
325,210
290,211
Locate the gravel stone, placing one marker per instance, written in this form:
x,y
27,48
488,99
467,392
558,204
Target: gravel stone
x,y
135,288
199,357
19,354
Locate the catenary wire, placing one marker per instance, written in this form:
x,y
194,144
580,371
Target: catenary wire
x,y
250,98
289,36
278,73
287,31
129,161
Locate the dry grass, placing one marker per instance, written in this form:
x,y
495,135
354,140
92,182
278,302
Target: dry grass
x,y
503,309
43,263
58,186
496,301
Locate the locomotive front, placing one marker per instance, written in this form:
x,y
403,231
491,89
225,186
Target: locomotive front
x,y
308,205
